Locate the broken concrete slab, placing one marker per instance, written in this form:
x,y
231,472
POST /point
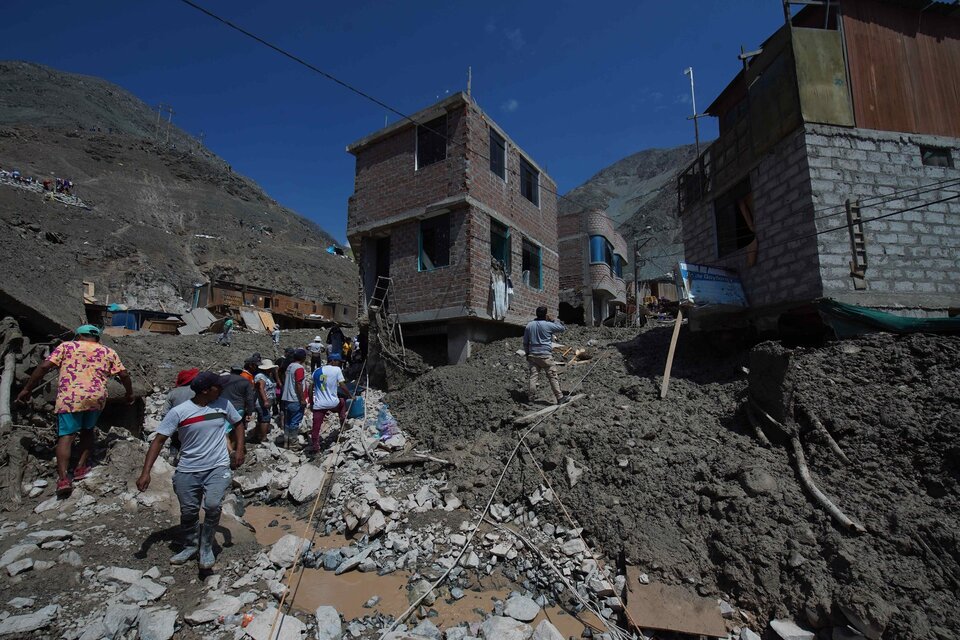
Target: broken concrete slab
x,y
289,627
159,624
18,625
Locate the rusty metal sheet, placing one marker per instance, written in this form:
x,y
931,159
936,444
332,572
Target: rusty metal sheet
x,y
822,77
671,608
251,319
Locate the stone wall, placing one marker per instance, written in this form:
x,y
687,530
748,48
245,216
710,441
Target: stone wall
x,y
913,257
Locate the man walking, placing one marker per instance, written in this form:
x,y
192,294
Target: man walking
x,y
276,335
224,338
538,346
85,367
203,474
294,397
317,349
324,384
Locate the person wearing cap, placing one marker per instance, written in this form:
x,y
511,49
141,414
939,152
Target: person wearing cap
x,y
238,390
317,349
324,384
204,473
294,397
265,383
85,367
181,392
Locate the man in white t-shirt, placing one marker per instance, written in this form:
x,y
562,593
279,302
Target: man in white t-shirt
x,y
324,384
203,471
317,349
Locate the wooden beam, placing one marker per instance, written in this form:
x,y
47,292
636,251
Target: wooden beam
x,y
665,385
554,408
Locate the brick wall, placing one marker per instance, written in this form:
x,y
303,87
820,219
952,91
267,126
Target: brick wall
x,y
387,181
789,269
912,257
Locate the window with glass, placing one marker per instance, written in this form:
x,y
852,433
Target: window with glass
x,y
618,263
432,142
500,243
434,243
601,251
498,155
532,265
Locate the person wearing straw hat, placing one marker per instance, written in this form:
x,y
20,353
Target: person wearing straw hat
x,y
324,384
265,383
85,367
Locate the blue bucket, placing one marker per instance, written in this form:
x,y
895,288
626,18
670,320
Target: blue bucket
x,y
355,408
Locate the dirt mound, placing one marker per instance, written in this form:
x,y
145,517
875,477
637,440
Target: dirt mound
x,y
685,488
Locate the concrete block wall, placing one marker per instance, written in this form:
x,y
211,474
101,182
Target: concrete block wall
x,y
913,257
787,266
572,252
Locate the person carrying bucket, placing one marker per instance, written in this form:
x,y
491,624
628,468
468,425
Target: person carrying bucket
x,y
324,398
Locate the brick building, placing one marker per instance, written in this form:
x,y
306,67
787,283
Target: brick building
x,y
592,266
862,111
441,208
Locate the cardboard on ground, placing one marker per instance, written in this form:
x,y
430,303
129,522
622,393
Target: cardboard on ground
x,y
671,608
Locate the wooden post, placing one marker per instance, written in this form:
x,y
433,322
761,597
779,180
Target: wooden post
x,y
665,385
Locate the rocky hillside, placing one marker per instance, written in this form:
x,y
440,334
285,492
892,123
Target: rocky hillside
x,y
159,215
637,191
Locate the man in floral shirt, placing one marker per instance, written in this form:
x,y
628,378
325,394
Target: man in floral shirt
x,y
85,368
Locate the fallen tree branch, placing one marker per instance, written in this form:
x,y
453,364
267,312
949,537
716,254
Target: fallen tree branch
x,y
417,458
822,430
818,495
757,429
554,408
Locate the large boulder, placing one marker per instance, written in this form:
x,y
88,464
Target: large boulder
x,y
501,628
306,483
287,628
521,608
287,550
20,625
328,623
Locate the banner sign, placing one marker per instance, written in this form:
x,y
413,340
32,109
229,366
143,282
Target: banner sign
x,y
704,286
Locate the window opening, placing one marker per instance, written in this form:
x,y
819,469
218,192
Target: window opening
x,y
529,182
532,265
618,262
434,243
432,142
936,157
731,213
498,154
601,251
500,244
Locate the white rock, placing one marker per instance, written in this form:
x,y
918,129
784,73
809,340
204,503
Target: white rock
x,y
290,627
574,472
47,505
375,525
16,553
501,628
152,573
213,609
29,622
426,629
747,634
306,483
328,623
119,618
120,574
573,547
43,565
788,630
39,537
352,563
521,608
458,539
388,505
254,483
501,549
21,603
144,589
158,624
546,631
71,558
499,512
18,567
287,550
424,495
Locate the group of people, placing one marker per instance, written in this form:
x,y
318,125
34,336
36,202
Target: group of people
x,y
59,185
206,420
207,414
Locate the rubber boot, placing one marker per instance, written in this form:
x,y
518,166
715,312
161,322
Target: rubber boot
x,y
190,549
207,558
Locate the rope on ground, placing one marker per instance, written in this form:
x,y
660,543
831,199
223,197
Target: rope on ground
x,y
323,492
493,494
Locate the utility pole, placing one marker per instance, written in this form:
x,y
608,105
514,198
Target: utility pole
x,y
693,99
156,129
636,274
169,123
202,136
469,80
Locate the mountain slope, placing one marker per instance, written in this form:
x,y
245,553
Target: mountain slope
x,y
637,191
162,215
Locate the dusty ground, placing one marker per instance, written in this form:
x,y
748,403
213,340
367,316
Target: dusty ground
x,y
686,491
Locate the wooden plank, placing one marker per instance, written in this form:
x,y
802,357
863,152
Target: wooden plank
x,y
665,385
251,319
554,408
671,608
267,319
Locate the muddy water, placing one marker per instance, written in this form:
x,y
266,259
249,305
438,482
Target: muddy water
x,y
349,592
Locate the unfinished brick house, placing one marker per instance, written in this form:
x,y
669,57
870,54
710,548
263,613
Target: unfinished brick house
x,y
592,265
857,106
454,213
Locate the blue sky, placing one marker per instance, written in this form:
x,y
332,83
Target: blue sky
x,y
577,84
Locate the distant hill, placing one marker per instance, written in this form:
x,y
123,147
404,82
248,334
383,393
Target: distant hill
x,y
637,191
163,214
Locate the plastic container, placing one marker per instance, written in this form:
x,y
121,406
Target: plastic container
x,y
355,408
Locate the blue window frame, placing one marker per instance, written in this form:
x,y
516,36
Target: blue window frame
x,y
601,251
618,263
